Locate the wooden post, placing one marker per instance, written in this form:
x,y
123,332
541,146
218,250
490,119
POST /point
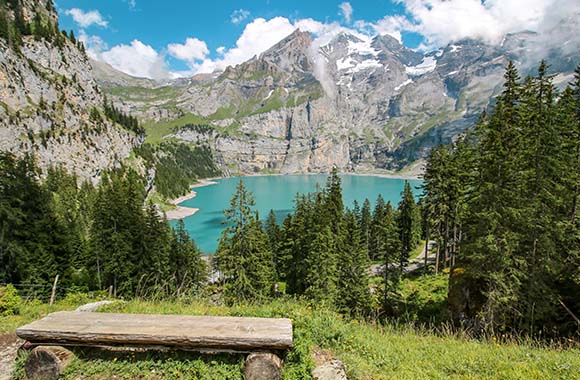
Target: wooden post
x,y
47,362
263,366
110,291
52,294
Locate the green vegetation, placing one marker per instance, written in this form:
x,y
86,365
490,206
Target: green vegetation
x,y
116,116
177,166
136,93
157,131
14,26
502,204
9,300
369,350
93,238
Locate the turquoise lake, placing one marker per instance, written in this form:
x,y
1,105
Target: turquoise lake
x,y
278,193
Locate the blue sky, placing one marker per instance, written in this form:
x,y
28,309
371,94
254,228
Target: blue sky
x,y
182,37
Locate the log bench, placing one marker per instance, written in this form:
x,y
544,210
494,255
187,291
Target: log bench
x,y
261,337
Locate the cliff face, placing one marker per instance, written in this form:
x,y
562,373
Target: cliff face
x,y
51,105
359,104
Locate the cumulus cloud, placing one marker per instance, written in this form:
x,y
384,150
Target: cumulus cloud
x,y
258,36
193,49
346,11
86,19
444,21
239,15
439,21
93,44
136,59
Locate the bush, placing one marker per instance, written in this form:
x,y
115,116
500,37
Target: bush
x,y
10,301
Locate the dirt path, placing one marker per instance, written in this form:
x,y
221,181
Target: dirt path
x,y
9,344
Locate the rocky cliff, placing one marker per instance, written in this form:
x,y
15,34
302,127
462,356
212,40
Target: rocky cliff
x,y
50,104
362,104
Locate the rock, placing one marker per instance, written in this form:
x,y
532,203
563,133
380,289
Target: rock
x,y
333,370
263,366
47,362
93,306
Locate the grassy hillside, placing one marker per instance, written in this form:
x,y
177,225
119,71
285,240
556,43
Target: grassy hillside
x,y
369,351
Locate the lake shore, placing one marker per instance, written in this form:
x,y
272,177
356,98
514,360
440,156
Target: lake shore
x,y
181,212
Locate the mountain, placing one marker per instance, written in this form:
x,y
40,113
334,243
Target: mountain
x,y
50,104
358,103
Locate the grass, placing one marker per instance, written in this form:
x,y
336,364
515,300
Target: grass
x,y
157,131
369,350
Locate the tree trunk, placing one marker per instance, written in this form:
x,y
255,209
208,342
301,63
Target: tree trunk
x,y
263,366
47,362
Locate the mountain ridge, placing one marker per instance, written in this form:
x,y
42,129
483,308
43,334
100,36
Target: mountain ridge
x,y
358,104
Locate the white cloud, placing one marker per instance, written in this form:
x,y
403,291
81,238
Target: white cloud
x,y
93,44
443,21
193,49
239,15
391,25
258,36
137,59
346,11
440,21
86,19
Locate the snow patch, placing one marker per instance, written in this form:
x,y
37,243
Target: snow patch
x,y
366,64
408,81
345,63
427,65
269,94
362,48
455,48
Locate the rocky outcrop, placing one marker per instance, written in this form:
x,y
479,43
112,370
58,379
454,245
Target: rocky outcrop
x,y
357,103
51,106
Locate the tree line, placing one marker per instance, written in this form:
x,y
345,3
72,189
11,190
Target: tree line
x,y
321,250
93,237
502,204
13,26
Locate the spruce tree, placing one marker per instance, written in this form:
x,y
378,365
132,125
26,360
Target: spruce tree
x,y
244,255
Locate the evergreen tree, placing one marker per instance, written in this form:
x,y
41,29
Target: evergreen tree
x,y
365,223
243,253
408,223
188,269
353,280
272,229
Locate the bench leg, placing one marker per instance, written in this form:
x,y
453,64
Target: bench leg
x,y
47,362
263,366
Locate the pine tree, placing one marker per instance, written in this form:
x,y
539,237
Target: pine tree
x,y
321,274
188,269
377,229
272,229
243,253
408,224
353,283
365,223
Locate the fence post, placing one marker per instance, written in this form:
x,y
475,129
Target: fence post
x,y
53,289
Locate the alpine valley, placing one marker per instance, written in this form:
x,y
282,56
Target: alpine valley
x,y
304,105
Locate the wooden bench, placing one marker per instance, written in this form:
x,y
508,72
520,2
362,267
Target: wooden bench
x,y
260,336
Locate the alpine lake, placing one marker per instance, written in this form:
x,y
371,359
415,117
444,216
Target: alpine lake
x,y
278,192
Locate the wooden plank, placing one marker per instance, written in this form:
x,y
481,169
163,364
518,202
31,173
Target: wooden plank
x,y
187,332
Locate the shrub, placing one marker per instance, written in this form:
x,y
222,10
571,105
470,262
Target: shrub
x,y
9,300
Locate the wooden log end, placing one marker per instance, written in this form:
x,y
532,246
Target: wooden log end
x,y
263,366
47,362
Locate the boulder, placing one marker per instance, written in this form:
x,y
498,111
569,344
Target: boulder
x,y
333,370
